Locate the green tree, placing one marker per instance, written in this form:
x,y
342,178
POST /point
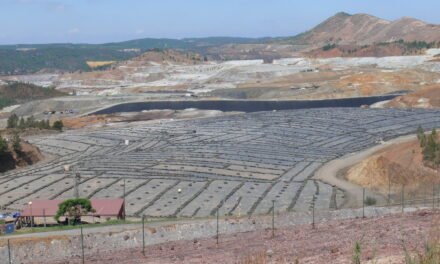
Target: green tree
x,y
13,121
74,209
30,121
3,145
22,123
16,142
421,136
58,125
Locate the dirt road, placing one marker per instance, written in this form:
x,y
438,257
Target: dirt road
x,y
330,172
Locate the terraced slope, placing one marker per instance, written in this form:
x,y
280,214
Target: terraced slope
x,y
238,163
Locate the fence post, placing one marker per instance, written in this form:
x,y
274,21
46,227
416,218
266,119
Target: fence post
x,y
363,203
273,218
433,197
313,213
143,235
9,252
44,217
217,226
82,245
403,198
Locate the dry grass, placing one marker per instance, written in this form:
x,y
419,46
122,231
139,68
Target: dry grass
x,y
96,64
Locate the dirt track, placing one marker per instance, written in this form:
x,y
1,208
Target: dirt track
x,y
330,171
382,240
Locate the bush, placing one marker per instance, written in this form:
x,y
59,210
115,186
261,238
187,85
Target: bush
x,y
370,201
329,47
58,125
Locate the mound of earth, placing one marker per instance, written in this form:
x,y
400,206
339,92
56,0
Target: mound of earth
x,y
428,97
28,155
397,165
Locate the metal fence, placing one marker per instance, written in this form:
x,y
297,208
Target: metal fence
x,y
84,249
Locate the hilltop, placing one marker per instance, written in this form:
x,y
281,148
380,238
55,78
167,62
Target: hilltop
x,y
364,29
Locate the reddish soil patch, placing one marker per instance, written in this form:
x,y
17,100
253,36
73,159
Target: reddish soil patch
x,y
428,97
381,239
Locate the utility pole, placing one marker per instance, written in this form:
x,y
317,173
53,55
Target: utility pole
x,y
123,197
143,235
76,187
217,225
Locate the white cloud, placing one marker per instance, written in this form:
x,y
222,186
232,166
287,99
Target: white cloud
x,y
139,31
74,31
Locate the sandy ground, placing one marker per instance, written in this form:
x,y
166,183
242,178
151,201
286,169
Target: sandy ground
x,y
382,240
331,171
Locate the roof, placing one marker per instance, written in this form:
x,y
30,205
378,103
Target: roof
x,y
103,207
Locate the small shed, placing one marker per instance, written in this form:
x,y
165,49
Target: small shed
x,y
104,208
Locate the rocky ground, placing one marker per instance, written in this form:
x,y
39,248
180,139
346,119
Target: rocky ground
x,y
382,240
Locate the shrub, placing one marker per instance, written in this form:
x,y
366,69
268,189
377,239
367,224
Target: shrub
x,y
58,125
357,253
370,201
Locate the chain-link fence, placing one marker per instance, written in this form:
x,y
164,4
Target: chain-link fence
x,y
89,244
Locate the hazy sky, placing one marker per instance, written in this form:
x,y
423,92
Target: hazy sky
x,y
97,21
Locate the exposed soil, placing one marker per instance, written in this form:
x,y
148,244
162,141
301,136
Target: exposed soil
x,y
28,155
400,164
382,241
428,97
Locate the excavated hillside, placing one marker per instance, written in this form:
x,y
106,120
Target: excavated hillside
x,y
397,165
28,155
363,29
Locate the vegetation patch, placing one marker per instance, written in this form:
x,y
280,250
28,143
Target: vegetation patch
x,y
19,92
430,147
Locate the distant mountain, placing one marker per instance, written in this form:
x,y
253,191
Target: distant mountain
x,y
363,29
341,29
65,57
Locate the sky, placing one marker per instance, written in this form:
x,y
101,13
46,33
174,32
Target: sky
x,y
101,21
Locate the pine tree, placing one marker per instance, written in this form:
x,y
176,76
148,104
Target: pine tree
x,y
421,136
16,142
22,124
13,121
